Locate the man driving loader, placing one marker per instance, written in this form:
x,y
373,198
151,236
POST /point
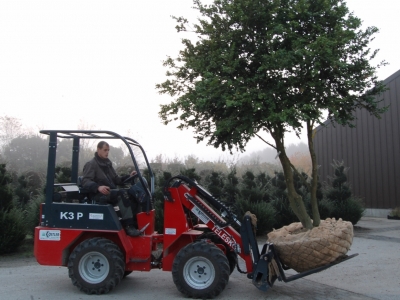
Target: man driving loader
x,y
100,178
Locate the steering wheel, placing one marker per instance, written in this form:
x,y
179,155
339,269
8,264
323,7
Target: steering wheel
x,y
131,179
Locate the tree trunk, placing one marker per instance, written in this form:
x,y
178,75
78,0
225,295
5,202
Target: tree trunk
x,y
296,201
314,175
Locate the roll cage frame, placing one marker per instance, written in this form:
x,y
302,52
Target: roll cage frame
x,y
77,136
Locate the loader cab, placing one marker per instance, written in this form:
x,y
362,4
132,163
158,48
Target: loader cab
x,y
66,203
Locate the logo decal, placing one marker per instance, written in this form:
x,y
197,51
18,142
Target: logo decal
x,y
49,235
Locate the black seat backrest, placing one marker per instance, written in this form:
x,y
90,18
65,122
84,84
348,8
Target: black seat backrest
x,y
84,193
80,178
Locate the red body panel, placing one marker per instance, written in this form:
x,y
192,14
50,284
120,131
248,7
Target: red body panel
x,y
54,245
146,219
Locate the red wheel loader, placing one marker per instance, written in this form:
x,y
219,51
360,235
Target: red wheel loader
x,y
199,246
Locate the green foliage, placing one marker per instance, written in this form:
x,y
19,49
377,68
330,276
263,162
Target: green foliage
x,y
191,173
26,186
253,188
231,190
21,191
6,195
335,201
280,201
13,231
395,212
215,183
350,210
284,213
265,213
339,190
262,62
33,213
161,180
63,174
325,208
25,153
270,66
345,205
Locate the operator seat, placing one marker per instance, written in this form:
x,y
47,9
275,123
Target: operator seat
x,y
85,196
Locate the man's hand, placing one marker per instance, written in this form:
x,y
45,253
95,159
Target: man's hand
x,y
105,190
133,173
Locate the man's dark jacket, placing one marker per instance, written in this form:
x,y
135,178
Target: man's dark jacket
x,y
99,171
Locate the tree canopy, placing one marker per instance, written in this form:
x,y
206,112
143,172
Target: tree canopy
x,y
270,65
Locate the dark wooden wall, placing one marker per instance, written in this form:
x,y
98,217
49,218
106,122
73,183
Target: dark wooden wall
x,y
371,150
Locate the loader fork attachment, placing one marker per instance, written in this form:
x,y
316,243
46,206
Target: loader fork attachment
x,y
269,268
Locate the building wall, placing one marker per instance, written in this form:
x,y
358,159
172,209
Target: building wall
x,y
371,150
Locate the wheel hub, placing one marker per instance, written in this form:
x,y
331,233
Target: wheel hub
x,y
199,272
97,265
94,267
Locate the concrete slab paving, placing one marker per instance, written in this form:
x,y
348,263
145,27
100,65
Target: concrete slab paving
x,y
374,274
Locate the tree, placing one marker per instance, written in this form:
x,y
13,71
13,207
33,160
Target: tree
x,y
12,226
215,184
26,153
231,189
10,128
27,185
6,195
271,66
345,205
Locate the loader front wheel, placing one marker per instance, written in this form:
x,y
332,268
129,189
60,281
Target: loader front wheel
x,y
201,270
230,254
96,266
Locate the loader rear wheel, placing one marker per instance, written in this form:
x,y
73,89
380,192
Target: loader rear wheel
x,y
200,270
96,266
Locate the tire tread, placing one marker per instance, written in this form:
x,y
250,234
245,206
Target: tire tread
x,y
117,259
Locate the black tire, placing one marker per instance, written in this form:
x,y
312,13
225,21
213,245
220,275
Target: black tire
x,y
230,254
126,273
96,266
200,270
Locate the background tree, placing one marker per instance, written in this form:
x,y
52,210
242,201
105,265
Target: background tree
x,y
6,195
344,204
12,223
10,128
27,153
215,183
231,189
251,189
270,66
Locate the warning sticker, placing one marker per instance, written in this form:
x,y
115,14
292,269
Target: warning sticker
x,y
200,215
170,231
94,216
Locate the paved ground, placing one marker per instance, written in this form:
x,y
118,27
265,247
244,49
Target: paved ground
x,y
374,274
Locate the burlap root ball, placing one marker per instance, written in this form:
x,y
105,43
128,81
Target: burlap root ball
x,y
304,250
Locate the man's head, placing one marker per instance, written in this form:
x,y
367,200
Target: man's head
x,y
103,148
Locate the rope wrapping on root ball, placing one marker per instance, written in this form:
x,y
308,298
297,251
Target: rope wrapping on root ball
x,y
303,250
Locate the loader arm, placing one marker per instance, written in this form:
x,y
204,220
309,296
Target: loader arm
x,y
185,198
